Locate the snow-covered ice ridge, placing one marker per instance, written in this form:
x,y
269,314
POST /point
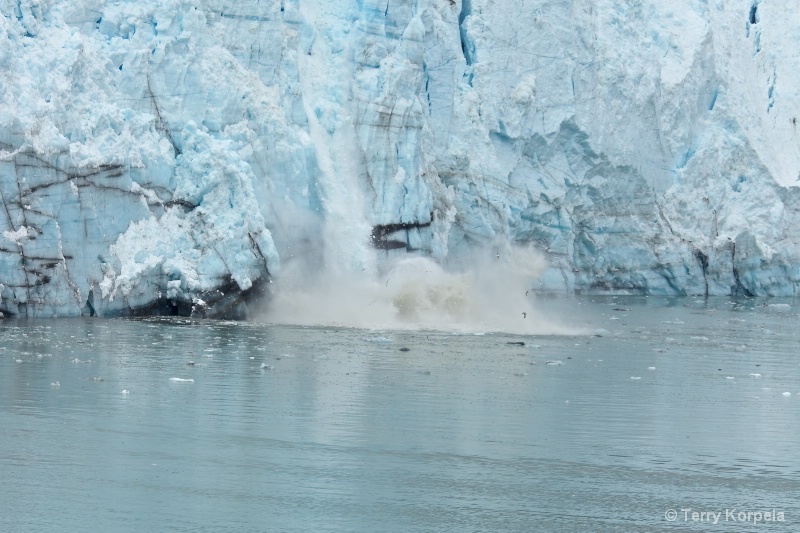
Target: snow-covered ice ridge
x,y
169,154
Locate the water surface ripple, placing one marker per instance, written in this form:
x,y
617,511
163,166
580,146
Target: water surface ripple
x,y
680,404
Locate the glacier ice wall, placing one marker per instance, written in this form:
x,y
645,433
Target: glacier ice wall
x,y
161,156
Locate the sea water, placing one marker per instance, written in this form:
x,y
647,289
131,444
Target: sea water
x,y
666,408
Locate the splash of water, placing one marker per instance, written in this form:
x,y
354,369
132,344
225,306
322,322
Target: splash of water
x,y
415,293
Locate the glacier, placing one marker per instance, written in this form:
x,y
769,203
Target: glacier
x,y
177,156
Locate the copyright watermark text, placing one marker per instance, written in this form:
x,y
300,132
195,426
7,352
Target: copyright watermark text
x,y
687,514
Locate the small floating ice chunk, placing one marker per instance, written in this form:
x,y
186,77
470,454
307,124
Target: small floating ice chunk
x,y
17,360
479,334
380,339
265,366
787,394
699,338
181,380
555,363
76,361
210,356
780,307
55,384
730,377
125,392
755,374
636,377
651,368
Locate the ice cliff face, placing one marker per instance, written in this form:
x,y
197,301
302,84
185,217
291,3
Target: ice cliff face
x,y
170,155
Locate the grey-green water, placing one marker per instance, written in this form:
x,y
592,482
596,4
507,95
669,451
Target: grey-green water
x,y
343,431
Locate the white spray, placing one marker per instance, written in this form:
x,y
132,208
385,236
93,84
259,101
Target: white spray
x,y
417,293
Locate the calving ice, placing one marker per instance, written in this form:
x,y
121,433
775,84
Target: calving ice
x,y
730,515
159,153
